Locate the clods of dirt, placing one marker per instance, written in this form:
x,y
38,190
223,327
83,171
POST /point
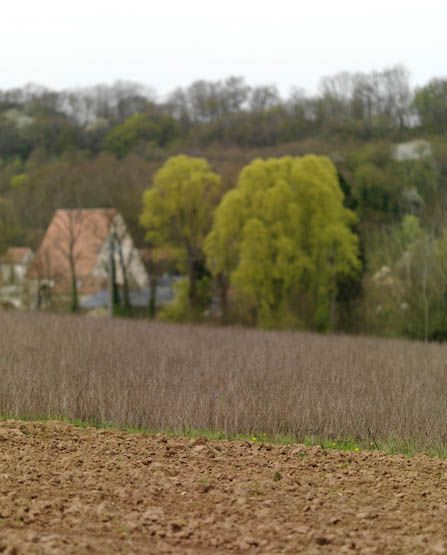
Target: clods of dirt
x,y
69,490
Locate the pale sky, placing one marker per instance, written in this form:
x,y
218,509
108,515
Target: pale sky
x,y
170,43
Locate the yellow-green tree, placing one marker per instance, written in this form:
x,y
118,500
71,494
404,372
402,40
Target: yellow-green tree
x,y
177,212
282,238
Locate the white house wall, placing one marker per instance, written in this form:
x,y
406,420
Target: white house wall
x,y
136,271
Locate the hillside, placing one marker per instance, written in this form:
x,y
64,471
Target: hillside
x,y
101,147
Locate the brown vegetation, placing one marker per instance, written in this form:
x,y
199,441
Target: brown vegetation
x,y
171,377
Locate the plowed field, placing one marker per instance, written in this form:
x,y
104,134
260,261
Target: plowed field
x,y
65,489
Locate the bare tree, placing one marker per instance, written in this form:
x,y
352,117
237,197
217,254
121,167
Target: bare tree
x,y
129,268
44,275
122,244
70,225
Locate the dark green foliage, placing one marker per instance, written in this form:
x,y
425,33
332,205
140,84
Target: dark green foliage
x,y
430,103
139,129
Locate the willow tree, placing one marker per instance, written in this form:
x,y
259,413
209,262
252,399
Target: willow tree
x,y
177,213
281,239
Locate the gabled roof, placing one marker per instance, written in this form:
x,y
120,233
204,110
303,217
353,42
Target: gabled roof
x,y
72,234
16,255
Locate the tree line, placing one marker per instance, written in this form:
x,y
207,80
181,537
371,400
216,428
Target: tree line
x,y
104,146
126,116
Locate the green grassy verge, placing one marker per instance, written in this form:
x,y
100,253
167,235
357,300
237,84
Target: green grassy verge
x,y
390,447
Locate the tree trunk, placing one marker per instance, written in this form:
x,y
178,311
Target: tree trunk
x,y
152,295
74,286
125,301
153,271
333,311
426,304
39,296
113,293
223,286
192,289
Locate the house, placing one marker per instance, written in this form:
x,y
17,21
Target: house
x,y
14,264
77,252
13,268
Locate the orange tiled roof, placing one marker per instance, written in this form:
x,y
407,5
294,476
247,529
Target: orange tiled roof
x,y
76,234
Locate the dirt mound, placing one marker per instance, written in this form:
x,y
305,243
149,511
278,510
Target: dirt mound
x,y
70,490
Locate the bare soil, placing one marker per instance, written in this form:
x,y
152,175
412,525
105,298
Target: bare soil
x,y
65,489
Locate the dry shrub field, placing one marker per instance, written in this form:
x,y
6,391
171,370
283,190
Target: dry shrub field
x,y
68,489
235,381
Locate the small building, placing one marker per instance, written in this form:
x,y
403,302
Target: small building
x,y
13,267
78,250
14,264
